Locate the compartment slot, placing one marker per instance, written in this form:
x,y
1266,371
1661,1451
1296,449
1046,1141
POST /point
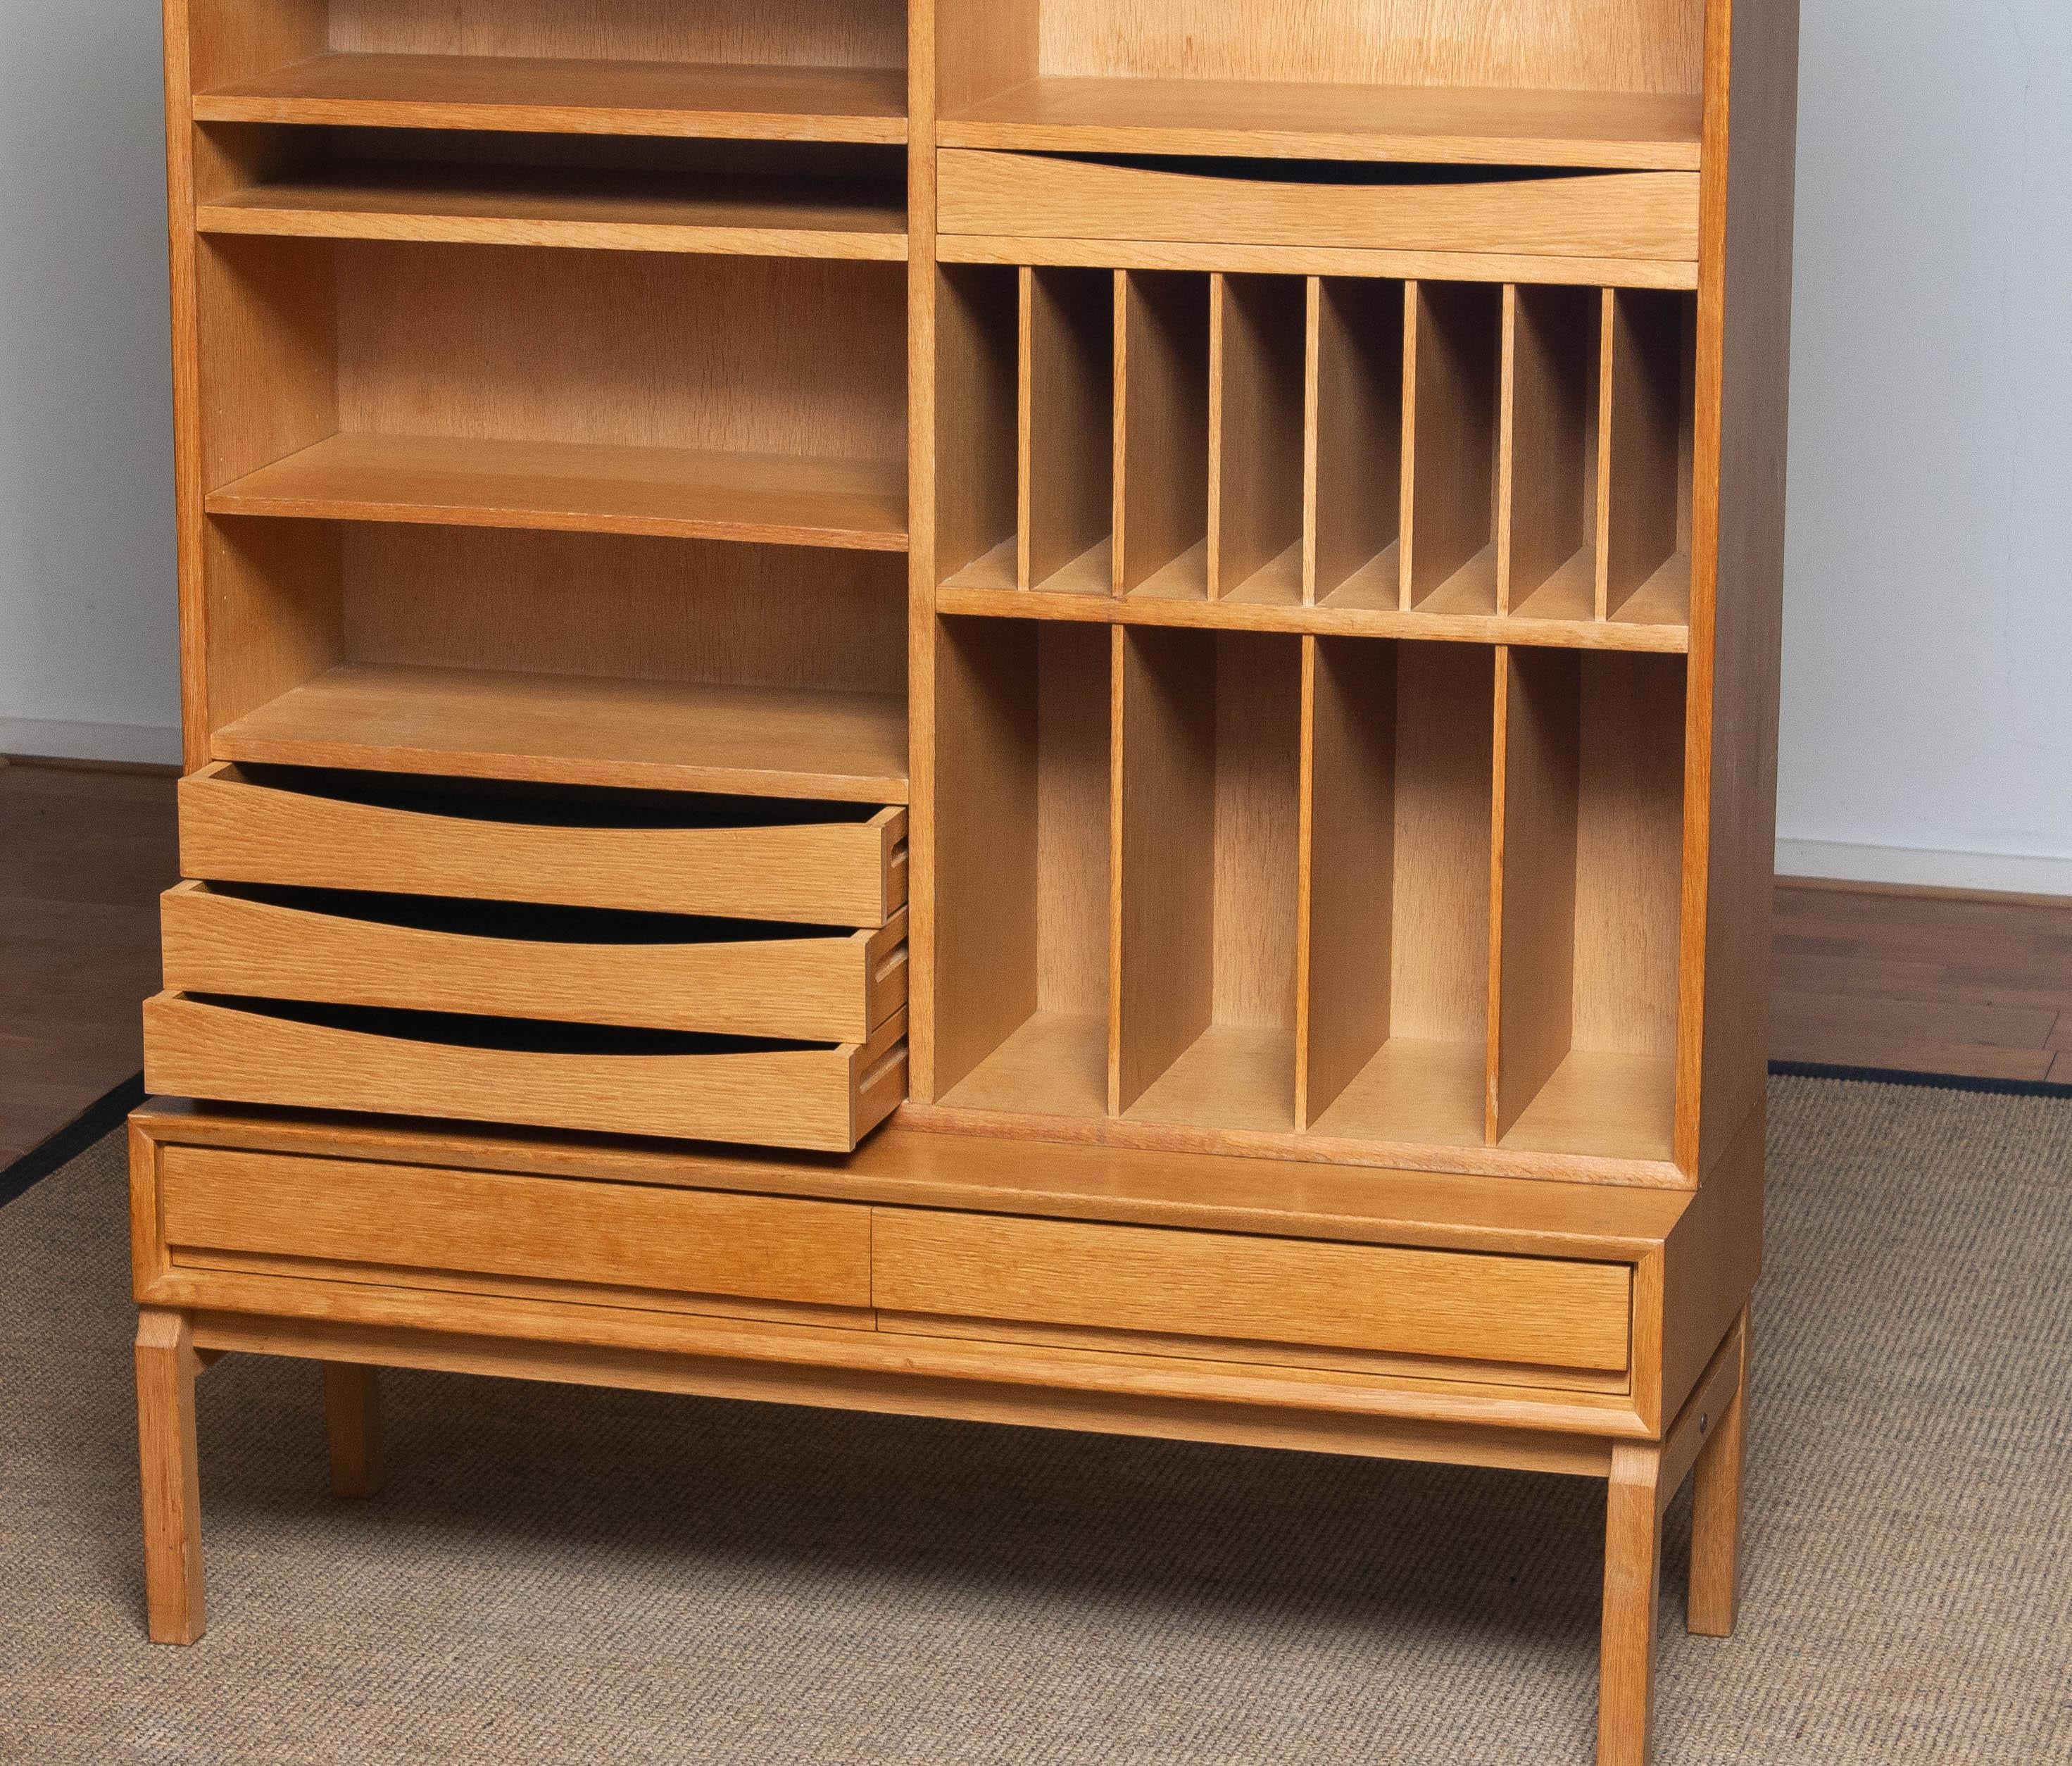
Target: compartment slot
x,y
1210,815
1397,923
1548,521
1022,896
977,396
1162,443
1452,364
1590,802
1644,571
1256,337
1354,471
1067,429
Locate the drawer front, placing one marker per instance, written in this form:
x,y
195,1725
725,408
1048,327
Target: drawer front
x,y
1617,215
236,829
836,989
218,1206
622,1082
1378,1300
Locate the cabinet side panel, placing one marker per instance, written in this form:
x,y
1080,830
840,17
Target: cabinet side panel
x,y
1744,354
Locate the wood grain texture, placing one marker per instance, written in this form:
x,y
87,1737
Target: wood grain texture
x,y
1453,352
1353,433
976,394
583,730
1643,450
536,95
1606,214
808,989
581,487
1068,482
1256,426
1548,515
1716,1507
352,1429
1161,509
616,1236
174,1596
1633,1588
1259,1291
822,1098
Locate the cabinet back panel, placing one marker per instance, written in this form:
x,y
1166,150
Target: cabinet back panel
x,y
1586,45
824,33
636,609
1258,761
1072,714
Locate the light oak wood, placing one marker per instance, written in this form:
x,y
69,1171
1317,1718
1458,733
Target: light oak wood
x,y
1643,453
1256,404
1716,1509
716,977
1453,347
1258,1290
1604,215
352,1428
1354,435
581,487
1162,401
369,89
582,730
789,1095
1548,518
1632,1602
1066,506
976,393
573,209
175,1598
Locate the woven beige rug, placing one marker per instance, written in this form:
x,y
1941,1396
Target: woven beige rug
x,y
554,1575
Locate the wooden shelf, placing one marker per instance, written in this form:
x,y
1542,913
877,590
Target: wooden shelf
x,y
1608,1105
583,488
1055,1064
1238,1076
594,210
1417,1090
573,96
776,742
1286,120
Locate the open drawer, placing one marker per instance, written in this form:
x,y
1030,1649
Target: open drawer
x,y
574,965
812,864
1644,214
608,1081
1228,1296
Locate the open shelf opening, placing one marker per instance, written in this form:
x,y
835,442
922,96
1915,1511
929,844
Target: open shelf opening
x,y
1257,360
741,398
1590,895
1066,498
1651,347
599,192
1398,913
826,70
1453,361
1610,83
1210,819
977,395
1162,504
1355,470
569,658
1548,521
1022,788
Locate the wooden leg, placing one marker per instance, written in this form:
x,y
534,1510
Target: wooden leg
x,y
1716,1513
1633,1585
352,1419
167,1365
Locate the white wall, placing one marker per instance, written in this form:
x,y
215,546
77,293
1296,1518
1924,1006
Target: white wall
x,y
1928,634
87,634
1927,718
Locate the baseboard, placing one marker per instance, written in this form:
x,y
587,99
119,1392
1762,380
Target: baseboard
x,y
1983,873
135,744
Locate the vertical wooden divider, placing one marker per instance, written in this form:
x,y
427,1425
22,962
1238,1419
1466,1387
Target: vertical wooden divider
x,y
1532,917
1065,495
1354,453
1548,494
1347,870
1642,447
1257,422
1161,402
922,577
1165,855
1452,354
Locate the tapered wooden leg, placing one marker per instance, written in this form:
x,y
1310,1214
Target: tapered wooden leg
x,y
1633,1585
175,1599
352,1419
1716,1513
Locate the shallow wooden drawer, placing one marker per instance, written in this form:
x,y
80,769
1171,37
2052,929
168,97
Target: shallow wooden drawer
x,y
822,1097
833,865
574,965
1651,215
1380,1299
500,1232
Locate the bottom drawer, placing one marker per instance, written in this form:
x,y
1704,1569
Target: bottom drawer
x,y
1220,1289
614,1081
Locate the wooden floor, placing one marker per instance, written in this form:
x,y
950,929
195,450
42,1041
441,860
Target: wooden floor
x,y
1861,979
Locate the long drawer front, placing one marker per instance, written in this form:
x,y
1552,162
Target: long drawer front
x,y
608,1081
